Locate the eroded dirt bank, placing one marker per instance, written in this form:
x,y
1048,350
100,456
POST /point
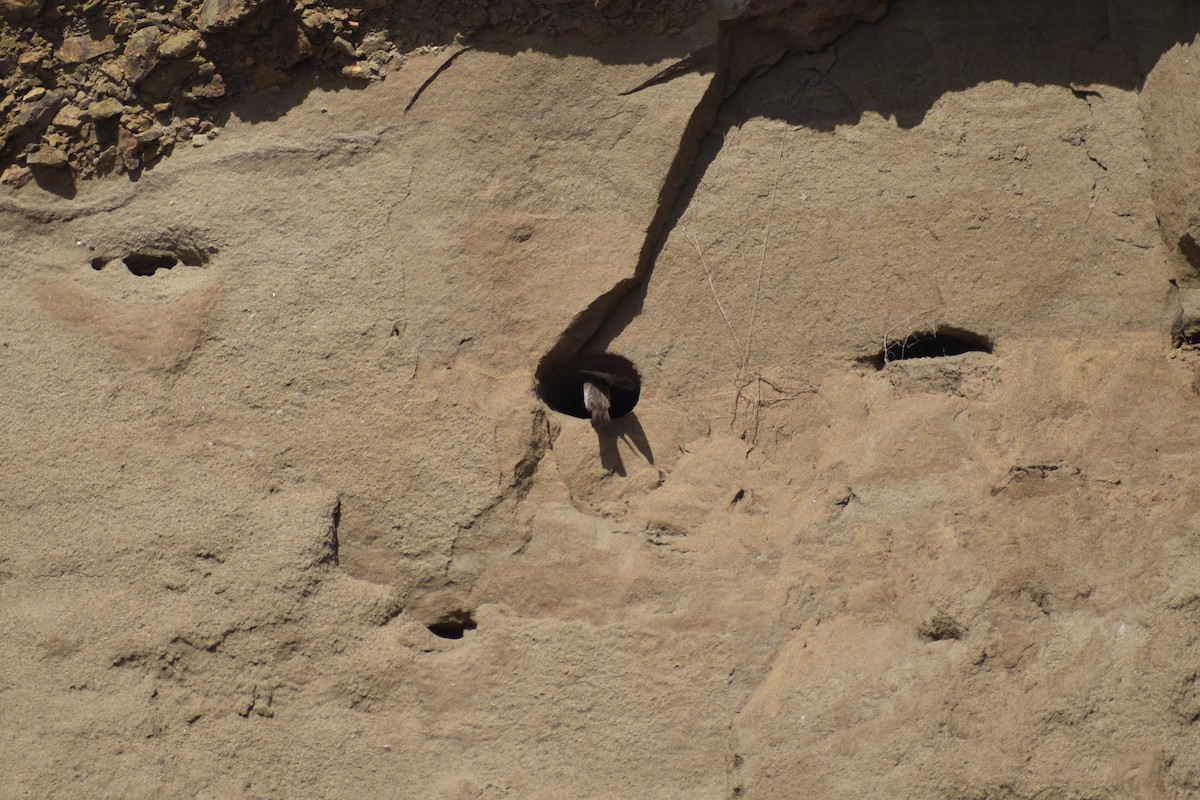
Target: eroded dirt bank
x,y
283,513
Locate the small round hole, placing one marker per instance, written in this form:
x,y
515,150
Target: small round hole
x,y
562,389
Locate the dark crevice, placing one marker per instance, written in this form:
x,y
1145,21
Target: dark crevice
x,y
335,521
445,65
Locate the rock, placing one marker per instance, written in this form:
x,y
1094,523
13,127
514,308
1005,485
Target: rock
x,y
374,43
141,53
20,9
77,49
16,176
475,18
223,13
1174,163
114,71
69,117
170,74
199,140
181,44
150,134
47,157
30,58
38,113
314,20
214,88
360,72
292,43
57,139
106,161
128,146
104,109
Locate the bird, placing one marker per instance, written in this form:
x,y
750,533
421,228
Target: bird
x,y
597,392
596,400
619,381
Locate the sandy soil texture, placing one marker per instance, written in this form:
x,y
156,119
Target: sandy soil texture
x,y
899,315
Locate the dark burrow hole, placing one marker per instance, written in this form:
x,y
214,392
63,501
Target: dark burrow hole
x,y
937,343
453,625
146,262
561,388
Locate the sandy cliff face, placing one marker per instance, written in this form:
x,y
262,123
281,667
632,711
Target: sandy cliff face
x,y
904,508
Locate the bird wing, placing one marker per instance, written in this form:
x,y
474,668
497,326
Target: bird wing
x,y
619,381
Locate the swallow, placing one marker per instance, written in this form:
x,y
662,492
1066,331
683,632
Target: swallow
x,y
596,400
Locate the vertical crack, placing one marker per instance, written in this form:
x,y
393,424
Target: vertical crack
x,y
1086,96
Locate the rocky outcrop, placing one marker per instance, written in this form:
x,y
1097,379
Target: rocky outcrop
x,y
177,66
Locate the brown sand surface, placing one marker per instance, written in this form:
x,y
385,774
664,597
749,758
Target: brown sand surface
x,y
906,507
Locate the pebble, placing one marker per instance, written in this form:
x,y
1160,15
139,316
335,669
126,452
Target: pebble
x,y
199,140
